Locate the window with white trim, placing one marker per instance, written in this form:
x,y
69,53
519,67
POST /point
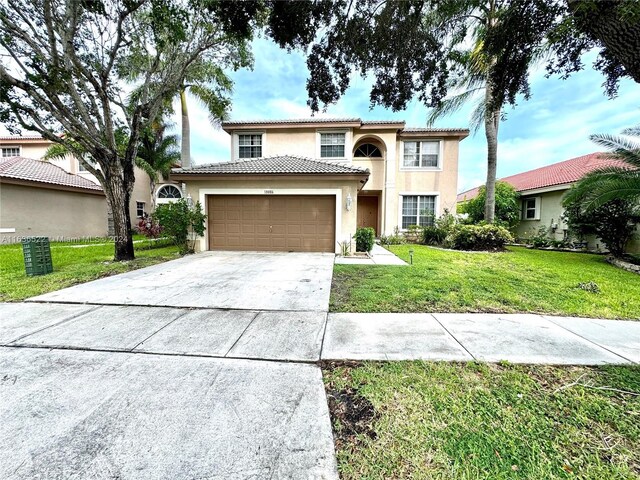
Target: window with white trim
x,y
421,154
332,145
531,208
418,210
140,209
168,193
249,145
10,152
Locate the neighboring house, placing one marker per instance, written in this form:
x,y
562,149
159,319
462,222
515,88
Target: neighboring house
x,y
307,184
541,191
41,199
142,199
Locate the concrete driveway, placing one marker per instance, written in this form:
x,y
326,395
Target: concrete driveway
x,y
238,280
195,368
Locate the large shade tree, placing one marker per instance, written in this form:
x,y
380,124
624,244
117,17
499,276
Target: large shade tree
x,y
63,66
428,49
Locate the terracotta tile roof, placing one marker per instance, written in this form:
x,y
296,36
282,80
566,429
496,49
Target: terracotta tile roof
x,y
278,165
285,121
28,138
28,169
560,173
427,129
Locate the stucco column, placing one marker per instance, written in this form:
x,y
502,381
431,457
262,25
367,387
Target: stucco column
x,y
389,194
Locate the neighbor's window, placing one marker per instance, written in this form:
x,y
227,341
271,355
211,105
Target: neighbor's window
x,y
332,145
10,151
140,209
418,210
250,145
88,159
530,209
421,154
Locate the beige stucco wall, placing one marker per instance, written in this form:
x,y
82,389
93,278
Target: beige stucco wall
x,y
346,224
386,175
35,211
551,213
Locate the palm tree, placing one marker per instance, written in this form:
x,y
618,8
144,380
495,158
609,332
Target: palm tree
x,y
209,84
614,182
157,154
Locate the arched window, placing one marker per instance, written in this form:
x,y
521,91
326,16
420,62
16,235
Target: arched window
x,y
367,150
167,193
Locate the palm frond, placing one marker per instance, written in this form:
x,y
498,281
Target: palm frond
x,y
622,148
451,105
217,105
56,151
147,168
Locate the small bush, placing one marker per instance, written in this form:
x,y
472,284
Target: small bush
x,y
478,237
413,234
181,222
149,227
433,235
395,239
591,287
443,225
540,239
365,238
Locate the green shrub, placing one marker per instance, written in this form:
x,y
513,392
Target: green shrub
x,y
396,239
413,234
436,234
478,237
540,239
181,222
365,238
507,207
433,235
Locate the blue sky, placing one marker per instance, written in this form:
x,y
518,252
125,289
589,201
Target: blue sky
x,y
554,125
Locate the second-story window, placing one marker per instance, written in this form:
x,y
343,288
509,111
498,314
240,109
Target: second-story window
x,y
250,145
10,152
421,154
332,145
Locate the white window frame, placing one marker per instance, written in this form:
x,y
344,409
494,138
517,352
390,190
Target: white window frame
x,y
160,201
419,168
436,210
524,209
236,141
144,204
2,148
348,143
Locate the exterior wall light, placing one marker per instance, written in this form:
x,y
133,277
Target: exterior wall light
x,y
349,204
189,201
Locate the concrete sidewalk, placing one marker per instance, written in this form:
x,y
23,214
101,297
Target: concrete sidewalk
x,y
312,336
517,338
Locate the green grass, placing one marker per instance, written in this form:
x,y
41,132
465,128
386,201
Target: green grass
x,y
518,280
483,421
72,265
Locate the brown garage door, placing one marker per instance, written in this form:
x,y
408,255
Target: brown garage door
x,y
288,223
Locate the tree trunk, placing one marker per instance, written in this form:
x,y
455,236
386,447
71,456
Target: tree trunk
x,y
491,119
185,155
118,188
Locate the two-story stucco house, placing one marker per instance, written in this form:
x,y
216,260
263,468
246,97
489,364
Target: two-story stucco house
x,y
308,184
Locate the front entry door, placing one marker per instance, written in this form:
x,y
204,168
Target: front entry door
x,y
368,212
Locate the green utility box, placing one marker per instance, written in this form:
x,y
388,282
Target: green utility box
x,y
37,256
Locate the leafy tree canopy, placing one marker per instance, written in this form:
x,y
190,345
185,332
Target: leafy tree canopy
x,y
507,205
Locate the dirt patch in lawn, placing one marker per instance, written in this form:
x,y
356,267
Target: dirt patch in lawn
x,y
352,414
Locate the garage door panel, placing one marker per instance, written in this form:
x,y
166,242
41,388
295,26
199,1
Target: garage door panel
x,y
271,223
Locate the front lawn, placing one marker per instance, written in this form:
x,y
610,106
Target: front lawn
x,y
518,280
424,420
72,264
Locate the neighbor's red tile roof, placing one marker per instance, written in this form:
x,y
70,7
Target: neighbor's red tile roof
x,y
560,173
30,170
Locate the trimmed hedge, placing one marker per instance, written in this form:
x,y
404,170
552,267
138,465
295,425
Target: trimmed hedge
x,y
478,237
365,238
